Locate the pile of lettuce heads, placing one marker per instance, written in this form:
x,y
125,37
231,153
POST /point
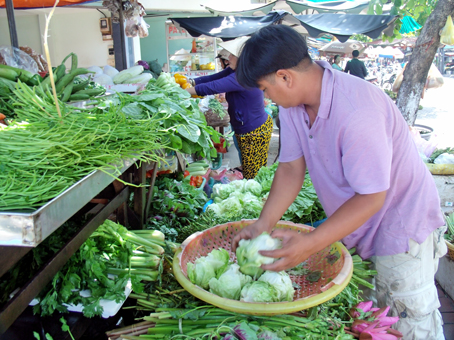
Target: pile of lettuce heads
x,y
245,280
245,199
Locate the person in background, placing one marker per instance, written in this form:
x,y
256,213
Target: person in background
x,y
336,62
356,67
223,56
377,192
251,124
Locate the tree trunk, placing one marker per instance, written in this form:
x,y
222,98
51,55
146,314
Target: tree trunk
x,y
415,73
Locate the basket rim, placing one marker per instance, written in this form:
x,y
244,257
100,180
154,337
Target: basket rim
x,y
336,285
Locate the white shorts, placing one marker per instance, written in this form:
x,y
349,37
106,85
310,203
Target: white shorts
x,y
406,283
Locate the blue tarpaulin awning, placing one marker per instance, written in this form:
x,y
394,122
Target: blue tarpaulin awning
x,y
342,26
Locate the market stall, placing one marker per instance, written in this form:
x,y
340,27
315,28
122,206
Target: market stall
x,y
100,201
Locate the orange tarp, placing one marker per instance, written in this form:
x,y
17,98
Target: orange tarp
x,y
41,3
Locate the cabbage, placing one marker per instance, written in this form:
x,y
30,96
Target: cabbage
x,y
216,208
253,187
248,255
231,207
110,71
230,283
282,282
207,267
222,190
98,70
238,185
259,291
239,195
103,79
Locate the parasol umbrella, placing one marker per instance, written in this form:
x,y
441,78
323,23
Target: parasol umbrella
x,y
389,52
342,48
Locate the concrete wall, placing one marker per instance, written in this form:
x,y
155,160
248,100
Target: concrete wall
x,y
70,30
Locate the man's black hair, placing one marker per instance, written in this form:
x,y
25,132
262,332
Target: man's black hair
x,y
355,53
270,49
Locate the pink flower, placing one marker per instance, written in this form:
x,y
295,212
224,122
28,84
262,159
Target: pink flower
x,y
378,328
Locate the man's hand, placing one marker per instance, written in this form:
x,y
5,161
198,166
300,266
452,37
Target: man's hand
x,y
250,232
287,183
296,248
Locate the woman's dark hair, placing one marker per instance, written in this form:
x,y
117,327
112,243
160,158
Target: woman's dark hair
x,y
272,48
335,57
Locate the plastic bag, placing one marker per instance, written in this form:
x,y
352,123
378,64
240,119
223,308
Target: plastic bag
x,y
398,80
425,148
204,103
132,28
444,158
143,28
14,57
434,78
447,32
234,175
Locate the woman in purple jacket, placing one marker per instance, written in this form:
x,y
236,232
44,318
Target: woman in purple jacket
x,y
250,122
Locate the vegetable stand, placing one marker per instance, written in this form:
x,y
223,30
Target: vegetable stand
x,y
21,231
193,57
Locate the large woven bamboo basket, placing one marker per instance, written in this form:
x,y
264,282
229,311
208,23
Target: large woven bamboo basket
x,y
450,250
335,274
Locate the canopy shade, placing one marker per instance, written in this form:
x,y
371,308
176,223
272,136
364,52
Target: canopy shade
x,y
28,4
342,48
342,26
329,6
227,27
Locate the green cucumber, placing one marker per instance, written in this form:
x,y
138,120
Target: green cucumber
x,y
60,71
81,86
23,75
78,97
197,173
67,92
69,77
8,74
92,92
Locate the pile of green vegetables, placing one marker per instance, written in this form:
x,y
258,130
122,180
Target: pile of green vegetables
x,y
175,205
245,199
244,280
240,197
175,314
305,209
103,265
216,107
180,117
44,154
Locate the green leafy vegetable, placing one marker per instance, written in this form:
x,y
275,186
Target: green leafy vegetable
x,y
248,255
230,283
259,291
207,267
282,282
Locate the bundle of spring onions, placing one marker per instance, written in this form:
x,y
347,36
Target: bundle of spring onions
x,y
208,322
43,154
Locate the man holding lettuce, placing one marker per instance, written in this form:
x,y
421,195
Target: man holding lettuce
x,y
376,191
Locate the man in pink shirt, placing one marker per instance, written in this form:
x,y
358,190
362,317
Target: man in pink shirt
x,y
376,191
